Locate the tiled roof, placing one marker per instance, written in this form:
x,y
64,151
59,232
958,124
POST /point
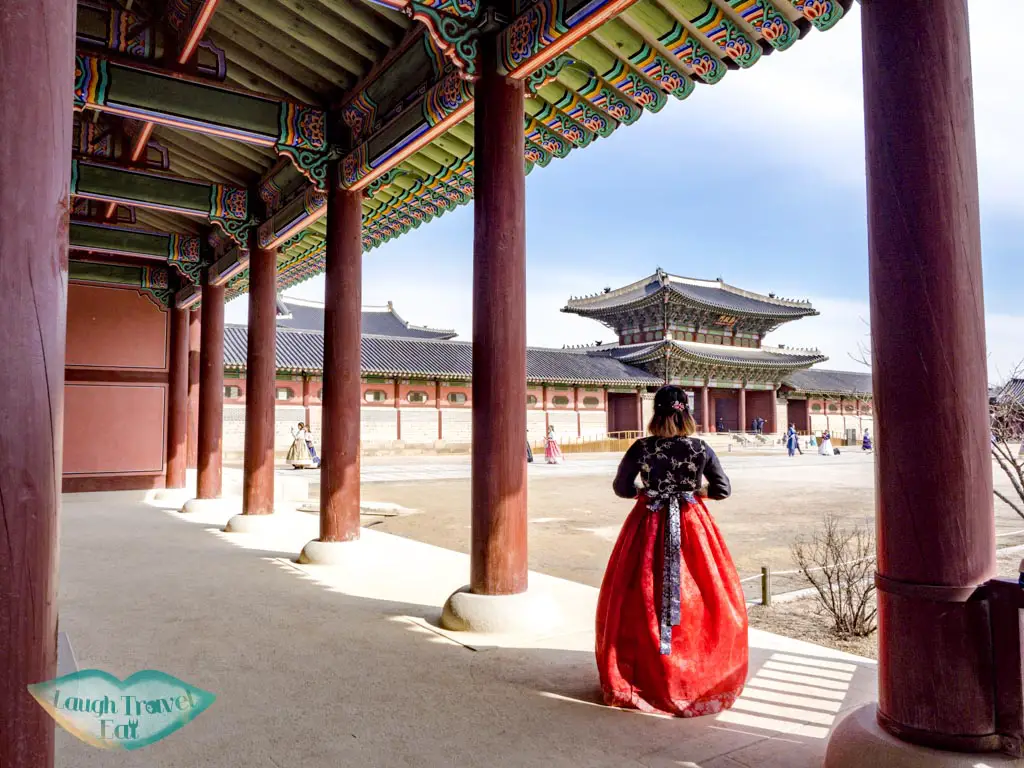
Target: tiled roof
x,y
382,321
1012,391
764,357
299,350
819,381
712,294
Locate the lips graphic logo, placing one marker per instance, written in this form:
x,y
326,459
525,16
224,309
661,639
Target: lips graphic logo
x,y
107,713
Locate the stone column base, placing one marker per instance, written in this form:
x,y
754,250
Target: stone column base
x,y
860,741
208,505
251,523
527,612
319,552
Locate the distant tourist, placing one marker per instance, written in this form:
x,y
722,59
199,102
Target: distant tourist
x,y
529,450
866,443
720,424
812,441
793,441
298,454
312,450
679,647
825,449
552,453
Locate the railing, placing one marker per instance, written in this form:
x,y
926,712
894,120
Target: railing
x,y
613,442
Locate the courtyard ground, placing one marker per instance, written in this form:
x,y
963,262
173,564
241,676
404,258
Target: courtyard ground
x,y
575,518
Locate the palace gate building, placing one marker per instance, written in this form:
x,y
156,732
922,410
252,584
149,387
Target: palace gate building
x,y
162,157
416,381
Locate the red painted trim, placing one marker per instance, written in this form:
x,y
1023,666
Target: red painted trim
x,y
112,376
453,119
202,20
74,484
568,39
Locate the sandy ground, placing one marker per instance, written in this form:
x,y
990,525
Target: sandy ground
x,y
574,519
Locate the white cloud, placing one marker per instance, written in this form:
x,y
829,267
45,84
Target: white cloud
x,y
808,101
842,332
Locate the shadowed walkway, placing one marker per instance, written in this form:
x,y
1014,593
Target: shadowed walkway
x,y
318,666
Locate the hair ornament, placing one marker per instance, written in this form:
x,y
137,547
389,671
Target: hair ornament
x,y
678,405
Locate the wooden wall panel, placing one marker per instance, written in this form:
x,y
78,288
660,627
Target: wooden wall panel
x,y
115,328
114,429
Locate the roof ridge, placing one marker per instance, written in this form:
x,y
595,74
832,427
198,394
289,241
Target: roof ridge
x,y
767,298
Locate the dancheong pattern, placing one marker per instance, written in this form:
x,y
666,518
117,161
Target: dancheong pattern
x,y
92,79
730,39
763,16
580,87
821,13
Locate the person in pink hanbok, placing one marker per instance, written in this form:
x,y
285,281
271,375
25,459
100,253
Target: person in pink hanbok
x,y
552,453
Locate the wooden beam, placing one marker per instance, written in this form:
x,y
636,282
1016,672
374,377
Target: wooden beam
x,y
227,206
199,24
370,22
298,48
193,104
206,158
237,53
283,59
296,25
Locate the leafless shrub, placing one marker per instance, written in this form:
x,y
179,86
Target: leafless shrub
x,y
840,564
1008,427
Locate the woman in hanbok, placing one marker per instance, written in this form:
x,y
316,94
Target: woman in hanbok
x,y
866,443
826,444
671,617
298,454
552,453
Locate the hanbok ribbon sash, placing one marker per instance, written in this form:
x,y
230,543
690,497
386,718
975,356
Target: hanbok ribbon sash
x,y
670,577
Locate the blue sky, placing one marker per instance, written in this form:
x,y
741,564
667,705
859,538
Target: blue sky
x,y
758,179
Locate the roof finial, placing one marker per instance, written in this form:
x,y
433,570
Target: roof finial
x,y
391,307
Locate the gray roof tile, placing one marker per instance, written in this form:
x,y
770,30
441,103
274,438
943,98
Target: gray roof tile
x,y
383,321
820,381
300,350
713,294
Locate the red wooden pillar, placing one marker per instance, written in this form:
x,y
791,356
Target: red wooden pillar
x,y
640,411
705,416
398,409
807,410
498,564
576,407
307,395
743,408
35,122
210,429
260,378
773,412
192,441
437,403
177,400
935,521
339,464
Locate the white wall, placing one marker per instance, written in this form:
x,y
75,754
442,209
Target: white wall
x,y
419,426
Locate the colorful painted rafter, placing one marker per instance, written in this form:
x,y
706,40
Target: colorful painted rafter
x,y
298,131
224,205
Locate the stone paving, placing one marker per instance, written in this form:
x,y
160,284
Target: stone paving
x,y
324,667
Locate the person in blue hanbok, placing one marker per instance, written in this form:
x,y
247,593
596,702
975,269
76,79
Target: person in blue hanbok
x,y
812,441
866,444
793,441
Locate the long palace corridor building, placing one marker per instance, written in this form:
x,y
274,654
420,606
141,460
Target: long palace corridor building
x,y
702,334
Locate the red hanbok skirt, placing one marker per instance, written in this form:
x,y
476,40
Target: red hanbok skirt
x,y
707,667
